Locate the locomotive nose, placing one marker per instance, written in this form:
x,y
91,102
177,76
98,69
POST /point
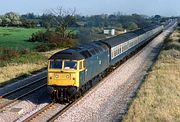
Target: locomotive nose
x,y
62,78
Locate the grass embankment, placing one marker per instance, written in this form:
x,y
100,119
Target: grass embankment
x,y
14,64
158,99
24,65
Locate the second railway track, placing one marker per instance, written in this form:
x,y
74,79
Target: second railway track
x,y
16,94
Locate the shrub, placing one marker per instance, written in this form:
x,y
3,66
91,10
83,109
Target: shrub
x,y
52,40
172,45
52,46
96,30
24,51
42,48
38,37
7,54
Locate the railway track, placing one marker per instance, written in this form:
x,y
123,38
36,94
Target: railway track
x,y
53,110
46,113
16,94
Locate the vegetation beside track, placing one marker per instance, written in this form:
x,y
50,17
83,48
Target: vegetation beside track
x,y
24,65
18,56
158,99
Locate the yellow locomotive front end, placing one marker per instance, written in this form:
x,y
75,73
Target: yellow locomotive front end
x,y
63,78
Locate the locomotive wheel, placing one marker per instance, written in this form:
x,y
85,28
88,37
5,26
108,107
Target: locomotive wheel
x,y
53,96
57,96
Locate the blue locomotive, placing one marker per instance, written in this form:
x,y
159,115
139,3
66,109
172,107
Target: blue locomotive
x,y
74,70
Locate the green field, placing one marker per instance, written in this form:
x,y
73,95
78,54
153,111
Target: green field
x,y
16,38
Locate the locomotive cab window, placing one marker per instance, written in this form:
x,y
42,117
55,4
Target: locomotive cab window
x,y
55,64
80,65
70,65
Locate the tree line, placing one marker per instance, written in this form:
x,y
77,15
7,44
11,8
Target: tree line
x,y
116,20
59,26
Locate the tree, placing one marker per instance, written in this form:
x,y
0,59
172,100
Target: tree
x,y
27,23
46,21
157,17
132,26
29,16
62,36
11,19
62,19
0,20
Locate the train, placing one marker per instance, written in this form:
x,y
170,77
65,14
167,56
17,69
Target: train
x,y
74,70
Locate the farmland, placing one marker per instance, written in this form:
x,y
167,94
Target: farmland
x,y
158,99
16,64
16,38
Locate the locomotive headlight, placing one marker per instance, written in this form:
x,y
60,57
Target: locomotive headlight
x,y
56,76
67,76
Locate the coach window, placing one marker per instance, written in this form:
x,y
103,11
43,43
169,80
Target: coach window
x,y
122,48
116,51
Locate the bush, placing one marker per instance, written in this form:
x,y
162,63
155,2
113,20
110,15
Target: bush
x,y
96,30
42,48
172,45
24,51
52,46
51,40
38,37
7,54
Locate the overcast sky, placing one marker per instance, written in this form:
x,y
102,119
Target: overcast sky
x,y
92,7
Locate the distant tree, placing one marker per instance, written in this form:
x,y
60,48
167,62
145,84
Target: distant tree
x,y
86,35
6,21
62,19
27,23
46,21
119,27
97,21
62,35
157,17
132,26
0,20
29,16
11,19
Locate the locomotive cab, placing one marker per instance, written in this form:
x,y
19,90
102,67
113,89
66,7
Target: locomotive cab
x,y
63,78
64,72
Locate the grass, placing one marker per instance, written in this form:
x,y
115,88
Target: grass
x,y
19,64
16,38
158,99
24,65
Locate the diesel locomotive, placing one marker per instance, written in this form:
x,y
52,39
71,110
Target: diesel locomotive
x,y
74,70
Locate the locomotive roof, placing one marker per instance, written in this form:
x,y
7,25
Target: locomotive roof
x,y
80,52
66,54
